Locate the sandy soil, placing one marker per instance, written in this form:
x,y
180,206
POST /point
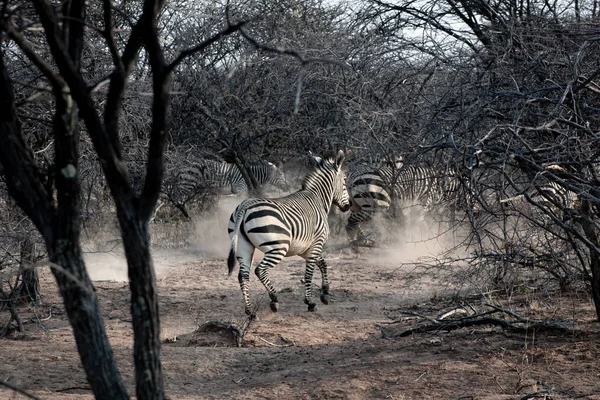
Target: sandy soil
x,y
336,352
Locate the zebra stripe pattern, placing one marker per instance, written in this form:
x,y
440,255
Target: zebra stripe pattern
x,y
556,197
293,225
551,196
210,173
376,190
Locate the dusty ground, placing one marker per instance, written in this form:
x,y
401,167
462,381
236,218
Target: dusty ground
x,y
336,352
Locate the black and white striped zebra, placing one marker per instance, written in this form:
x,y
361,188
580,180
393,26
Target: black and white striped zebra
x,y
377,190
227,177
551,196
288,226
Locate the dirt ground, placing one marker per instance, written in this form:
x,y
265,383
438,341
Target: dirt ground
x,y
336,352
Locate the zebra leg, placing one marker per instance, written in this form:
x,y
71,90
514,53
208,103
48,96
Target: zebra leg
x,y
245,256
270,259
308,275
325,280
354,229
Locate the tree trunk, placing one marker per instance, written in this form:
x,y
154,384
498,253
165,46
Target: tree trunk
x,y
83,310
144,307
592,235
30,288
254,188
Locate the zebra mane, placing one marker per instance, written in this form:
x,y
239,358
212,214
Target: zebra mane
x,y
327,163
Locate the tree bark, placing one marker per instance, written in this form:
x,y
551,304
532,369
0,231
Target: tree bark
x,y
592,236
144,307
83,310
30,288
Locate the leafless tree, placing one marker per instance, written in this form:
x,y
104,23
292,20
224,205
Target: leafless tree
x,y
515,84
54,205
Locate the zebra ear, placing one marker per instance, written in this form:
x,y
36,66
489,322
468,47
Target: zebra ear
x,y
339,158
315,159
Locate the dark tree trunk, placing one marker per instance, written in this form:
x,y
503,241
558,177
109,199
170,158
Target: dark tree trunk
x,y
30,288
591,234
254,188
144,309
83,310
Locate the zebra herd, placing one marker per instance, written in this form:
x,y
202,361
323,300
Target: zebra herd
x,y
297,224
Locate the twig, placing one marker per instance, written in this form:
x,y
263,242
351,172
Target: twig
x,y
20,391
499,385
291,342
457,310
414,314
273,344
512,314
67,389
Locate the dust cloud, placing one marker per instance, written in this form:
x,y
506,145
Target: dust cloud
x,y
411,240
211,239
106,266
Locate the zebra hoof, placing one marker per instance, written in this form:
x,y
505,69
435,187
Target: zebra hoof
x,y
312,307
325,298
274,306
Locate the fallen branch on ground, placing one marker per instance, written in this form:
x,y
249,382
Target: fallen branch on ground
x,y
517,324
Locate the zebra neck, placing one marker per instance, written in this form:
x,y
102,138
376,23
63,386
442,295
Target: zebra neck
x,y
320,185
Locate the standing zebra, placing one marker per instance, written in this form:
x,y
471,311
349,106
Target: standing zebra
x,y
227,176
288,226
376,190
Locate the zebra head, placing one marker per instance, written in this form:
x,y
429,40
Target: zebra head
x,y
332,165
341,198
277,177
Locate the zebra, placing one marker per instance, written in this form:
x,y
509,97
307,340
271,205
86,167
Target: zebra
x,y
551,196
377,190
227,176
287,226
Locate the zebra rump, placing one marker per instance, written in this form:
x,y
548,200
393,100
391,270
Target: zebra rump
x,y
377,190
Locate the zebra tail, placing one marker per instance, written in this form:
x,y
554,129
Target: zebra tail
x,y
238,218
231,258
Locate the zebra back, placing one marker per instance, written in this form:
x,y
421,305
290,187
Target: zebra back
x,y
264,172
298,220
220,174
427,186
424,185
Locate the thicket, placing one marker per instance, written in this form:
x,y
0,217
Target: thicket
x,y
507,92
